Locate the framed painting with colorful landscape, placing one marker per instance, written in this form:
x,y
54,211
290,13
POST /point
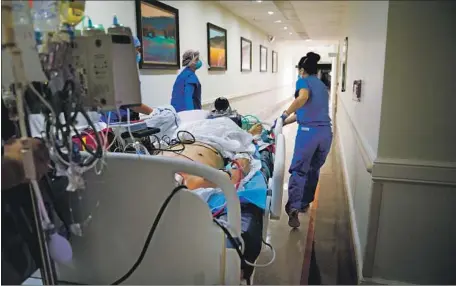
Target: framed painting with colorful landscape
x,y
246,55
217,49
275,67
157,25
263,59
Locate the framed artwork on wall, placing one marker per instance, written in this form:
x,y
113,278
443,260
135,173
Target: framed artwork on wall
x,y
344,64
157,25
263,59
246,55
217,49
275,64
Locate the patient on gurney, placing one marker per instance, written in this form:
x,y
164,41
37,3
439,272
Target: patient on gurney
x,y
237,168
223,145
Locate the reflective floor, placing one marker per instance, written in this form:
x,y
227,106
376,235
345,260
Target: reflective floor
x,y
320,251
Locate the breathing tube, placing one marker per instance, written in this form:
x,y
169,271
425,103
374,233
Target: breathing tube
x,y
247,122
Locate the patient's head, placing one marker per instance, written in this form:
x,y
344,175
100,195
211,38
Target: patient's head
x,y
191,59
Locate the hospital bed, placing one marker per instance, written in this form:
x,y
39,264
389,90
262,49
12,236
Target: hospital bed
x,y
187,246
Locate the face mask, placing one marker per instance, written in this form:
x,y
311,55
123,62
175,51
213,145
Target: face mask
x,y
138,57
198,64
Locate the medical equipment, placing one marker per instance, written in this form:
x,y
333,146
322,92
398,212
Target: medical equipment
x,y
106,65
188,247
67,75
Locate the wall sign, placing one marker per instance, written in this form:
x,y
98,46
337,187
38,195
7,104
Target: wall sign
x,y
357,87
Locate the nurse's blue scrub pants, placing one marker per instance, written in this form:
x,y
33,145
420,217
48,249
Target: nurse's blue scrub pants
x,y
311,149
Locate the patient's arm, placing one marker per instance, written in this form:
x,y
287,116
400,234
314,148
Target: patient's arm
x,y
143,109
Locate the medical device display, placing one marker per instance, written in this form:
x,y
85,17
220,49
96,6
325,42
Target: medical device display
x,y
110,78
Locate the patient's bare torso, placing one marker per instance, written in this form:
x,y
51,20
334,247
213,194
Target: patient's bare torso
x,y
198,152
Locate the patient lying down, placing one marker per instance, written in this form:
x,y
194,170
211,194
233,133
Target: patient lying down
x,y
207,155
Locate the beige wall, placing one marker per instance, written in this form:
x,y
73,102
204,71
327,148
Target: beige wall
x,y
358,123
419,93
403,214
414,203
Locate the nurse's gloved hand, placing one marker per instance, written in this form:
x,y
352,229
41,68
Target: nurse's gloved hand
x,y
283,117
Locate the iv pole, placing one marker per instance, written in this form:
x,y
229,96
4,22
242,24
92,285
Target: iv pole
x,y
48,273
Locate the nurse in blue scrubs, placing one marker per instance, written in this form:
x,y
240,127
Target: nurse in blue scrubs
x,y
313,140
187,88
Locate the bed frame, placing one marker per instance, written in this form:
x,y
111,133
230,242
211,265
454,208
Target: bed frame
x,y
187,248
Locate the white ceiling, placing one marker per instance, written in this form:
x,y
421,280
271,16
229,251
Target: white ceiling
x,y
293,20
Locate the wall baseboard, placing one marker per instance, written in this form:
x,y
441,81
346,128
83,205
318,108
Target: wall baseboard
x,y
414,171
354,227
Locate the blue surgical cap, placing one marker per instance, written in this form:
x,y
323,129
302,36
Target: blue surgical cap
x,y
136,42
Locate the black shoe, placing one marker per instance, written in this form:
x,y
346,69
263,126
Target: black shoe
x,y
293,219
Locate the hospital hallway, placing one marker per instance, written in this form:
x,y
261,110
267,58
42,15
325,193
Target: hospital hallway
x,y
320,251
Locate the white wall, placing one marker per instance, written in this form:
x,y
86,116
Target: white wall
x,y
366,31
358,123
156,86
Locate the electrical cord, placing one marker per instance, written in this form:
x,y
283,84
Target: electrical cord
x,y
240,243
149,236
237,246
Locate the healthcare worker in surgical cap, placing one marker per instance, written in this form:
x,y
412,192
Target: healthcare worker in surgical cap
x,y
187,88
313,140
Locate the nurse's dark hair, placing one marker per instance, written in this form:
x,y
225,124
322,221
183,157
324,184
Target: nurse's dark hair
x,y
309,63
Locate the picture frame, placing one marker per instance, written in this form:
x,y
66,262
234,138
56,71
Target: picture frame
x,y
246,55
344,65
217,47
275,63
263,59
157,26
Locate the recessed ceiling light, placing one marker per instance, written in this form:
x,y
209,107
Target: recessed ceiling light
x,y
278,21
285,28
291,33
308,40
270,12
259,1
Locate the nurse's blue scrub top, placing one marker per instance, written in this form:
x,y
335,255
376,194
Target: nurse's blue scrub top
x,y
186,91
316,110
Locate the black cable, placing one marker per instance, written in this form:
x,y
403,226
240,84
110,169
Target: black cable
x,y
149,236
179,141
233,241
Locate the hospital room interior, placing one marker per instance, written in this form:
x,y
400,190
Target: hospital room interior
x,y
250,142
